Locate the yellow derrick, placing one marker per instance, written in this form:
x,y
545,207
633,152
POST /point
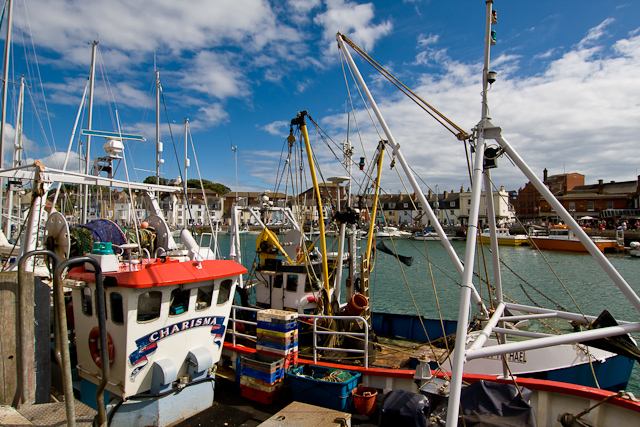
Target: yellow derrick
x,y
268,246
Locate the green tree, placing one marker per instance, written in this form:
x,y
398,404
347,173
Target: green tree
x,y
208,185
152,180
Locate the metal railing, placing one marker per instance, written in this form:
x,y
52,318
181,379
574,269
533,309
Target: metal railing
x,y
316,332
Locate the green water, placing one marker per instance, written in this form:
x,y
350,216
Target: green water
x,y
400,289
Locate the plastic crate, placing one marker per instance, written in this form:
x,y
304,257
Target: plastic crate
x,y
264,363
260,385
259,395
277,334
316,391
278,315
279,327
263,376
275,343
276,352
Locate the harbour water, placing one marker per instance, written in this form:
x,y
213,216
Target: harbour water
x,y
528,277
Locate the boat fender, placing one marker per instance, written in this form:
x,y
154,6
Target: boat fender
x,y
94,348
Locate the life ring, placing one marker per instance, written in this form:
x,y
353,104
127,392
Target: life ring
x,y
94,347
298,253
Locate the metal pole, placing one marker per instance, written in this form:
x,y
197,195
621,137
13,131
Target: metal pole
x,y
92,79
184,184
459,354
5,83
17,155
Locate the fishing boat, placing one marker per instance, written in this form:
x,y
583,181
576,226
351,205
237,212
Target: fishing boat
x,y
562,238
293,275
505,237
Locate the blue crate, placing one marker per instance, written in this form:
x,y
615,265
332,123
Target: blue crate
x,y
280,327
263,376
315,391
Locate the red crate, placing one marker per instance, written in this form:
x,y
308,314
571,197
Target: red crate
x,y
259,395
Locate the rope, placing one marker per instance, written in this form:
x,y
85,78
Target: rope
x,y
461,135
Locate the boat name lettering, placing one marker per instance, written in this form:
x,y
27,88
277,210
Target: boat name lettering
x,y
148,344
515,357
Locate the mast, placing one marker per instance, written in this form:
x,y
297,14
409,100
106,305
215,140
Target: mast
x,y
159,161
300,120
17,155
472,234
92,80
186,165
5,84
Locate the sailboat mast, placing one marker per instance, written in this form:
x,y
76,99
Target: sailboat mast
x,y
186,165
92,79
5,84
158,143
17,155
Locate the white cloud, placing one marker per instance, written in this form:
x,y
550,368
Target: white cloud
x,y
277,128
579,114
353,20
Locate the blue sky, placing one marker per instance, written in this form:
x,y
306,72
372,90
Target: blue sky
x,y
567,95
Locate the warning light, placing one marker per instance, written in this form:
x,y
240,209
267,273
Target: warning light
x,y
494,17
361,164
493,38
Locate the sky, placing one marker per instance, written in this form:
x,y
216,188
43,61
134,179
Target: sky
x,y
567,95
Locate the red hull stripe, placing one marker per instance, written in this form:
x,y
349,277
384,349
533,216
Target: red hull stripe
x,y
532,384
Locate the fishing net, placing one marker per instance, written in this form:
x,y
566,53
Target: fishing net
x,y
82,237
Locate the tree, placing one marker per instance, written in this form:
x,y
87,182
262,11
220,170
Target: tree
x,y
208,185
152,180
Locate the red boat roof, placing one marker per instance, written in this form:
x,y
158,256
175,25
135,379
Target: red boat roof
x,y
171,272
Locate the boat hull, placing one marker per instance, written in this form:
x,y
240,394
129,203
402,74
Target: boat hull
x,y
507,241
572,245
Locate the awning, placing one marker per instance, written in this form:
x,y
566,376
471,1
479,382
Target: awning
x,y
619,213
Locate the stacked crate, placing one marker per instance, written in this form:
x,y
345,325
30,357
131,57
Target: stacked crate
x,y
277,335
262,374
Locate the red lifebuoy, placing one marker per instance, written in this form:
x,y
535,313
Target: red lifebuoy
x,y
94,347
299,253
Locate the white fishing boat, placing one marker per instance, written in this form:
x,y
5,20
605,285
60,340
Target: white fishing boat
x,y
429,235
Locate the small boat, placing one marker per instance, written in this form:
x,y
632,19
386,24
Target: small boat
x,y
562,238
505,237
429,235
634,250
391,233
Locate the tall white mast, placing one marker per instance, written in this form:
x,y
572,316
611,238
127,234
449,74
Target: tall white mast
x,y
92,79
17,155
158,143
186,165
5,84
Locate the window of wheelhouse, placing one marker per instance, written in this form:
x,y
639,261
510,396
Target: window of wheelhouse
x,y
117,308
179,302
204,297
277,281
87,306
149,306
292,283
225,291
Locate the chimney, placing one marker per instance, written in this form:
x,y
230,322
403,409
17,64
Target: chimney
x,y
462,187
600,186
444,196
545,173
